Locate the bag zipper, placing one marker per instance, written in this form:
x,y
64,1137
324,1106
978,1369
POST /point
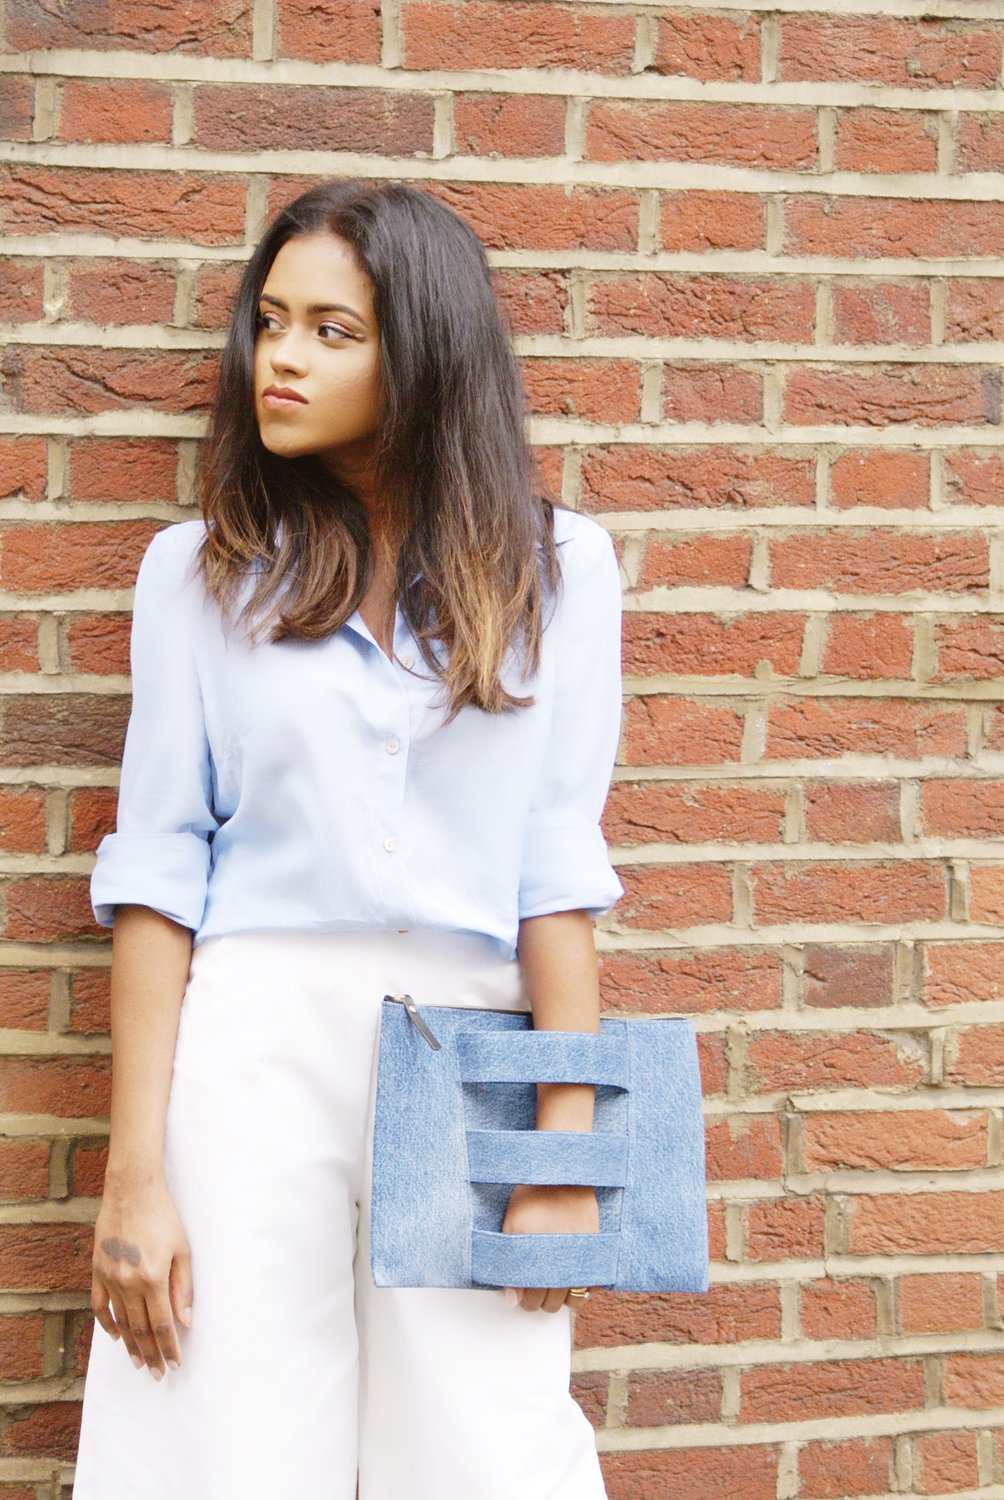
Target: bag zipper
x,y
415,1017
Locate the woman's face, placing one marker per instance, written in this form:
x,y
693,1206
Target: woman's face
x,y
317,338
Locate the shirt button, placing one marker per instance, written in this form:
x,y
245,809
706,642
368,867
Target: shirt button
x,y
388,844
393,746
407,661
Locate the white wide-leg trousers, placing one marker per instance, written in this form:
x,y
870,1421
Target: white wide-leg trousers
x,y
298,1376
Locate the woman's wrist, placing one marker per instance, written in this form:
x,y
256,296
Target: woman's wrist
x,y
565,1106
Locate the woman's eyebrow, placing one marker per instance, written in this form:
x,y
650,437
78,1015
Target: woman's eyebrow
x,y
314,307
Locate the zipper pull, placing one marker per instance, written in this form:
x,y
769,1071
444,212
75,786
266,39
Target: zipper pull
x,y
415,1017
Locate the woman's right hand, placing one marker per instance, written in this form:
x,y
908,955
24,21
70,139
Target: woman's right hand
x,y
142,1266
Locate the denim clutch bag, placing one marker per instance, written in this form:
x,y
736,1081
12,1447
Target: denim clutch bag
x,y
454,1130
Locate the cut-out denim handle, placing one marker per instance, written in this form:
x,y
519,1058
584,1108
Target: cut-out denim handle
x,y
500,1259
551,1157
543,1057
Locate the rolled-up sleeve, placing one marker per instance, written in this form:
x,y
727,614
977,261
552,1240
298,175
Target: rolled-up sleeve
x,y
565,865
159,854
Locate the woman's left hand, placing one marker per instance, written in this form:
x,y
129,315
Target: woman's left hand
x,y
550,1210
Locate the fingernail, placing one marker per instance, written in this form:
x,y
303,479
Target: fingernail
x,y
156,1372
173,1364
137,1361
511,1296
186,1316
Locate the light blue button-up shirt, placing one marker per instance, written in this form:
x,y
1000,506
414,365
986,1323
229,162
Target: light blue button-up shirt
x,y
314,784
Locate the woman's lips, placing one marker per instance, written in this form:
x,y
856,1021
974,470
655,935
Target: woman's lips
x,y
281,401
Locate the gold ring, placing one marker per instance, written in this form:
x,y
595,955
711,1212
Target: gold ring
x,y
578,1291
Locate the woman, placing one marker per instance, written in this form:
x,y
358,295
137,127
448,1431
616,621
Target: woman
x,y
384,772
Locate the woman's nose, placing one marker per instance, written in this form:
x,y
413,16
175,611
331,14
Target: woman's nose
x,y
287,353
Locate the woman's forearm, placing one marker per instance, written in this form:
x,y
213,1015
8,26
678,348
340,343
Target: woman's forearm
x,y
151,957
557,955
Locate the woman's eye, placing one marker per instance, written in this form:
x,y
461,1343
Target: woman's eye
x,y
333,328
263,319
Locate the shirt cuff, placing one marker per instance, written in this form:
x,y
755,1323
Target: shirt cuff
x,y
168,872
566,867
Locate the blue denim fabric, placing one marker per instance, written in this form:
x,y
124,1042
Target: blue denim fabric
x,y
454,1130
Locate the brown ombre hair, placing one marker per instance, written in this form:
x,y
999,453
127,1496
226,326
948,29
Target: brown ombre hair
x,y
465,501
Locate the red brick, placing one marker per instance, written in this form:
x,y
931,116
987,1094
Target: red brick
x,y
638,812
19,644
927,395
941,1302
958,973
974,478
20,290
907,52
825,1389
90,1002
785,1229
533,302
480,34
255,117
678,562
976,1056
980,144
626,477
22,820
898,227
986,893
24,1177
594,390
885,140
783,1062
975,311
712,645
347,33
945,1461
123,110
523,125
713,1060
846,891
131,469
898,1140
698,979
202,208
120,291
714,1473
591,1390
895,478
710,393
854,974
884,313
92,815
744,1147
741,135
724,307
24,998
65,1086
215,291
221,28
711,221
17,107
46,1257
728,1313
868,648
71,379
54,556
658,896
46,909
656,1398
853,1466
844,1309
954,808
975,1380
972,649
814,727
845,812
881,561
23,467
21,1352
709,47
942,1223
660,730
98,643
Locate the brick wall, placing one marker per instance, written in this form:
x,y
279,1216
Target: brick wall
x,y
753,256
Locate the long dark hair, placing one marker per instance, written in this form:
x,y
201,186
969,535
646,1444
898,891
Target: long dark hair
x,y
465,500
